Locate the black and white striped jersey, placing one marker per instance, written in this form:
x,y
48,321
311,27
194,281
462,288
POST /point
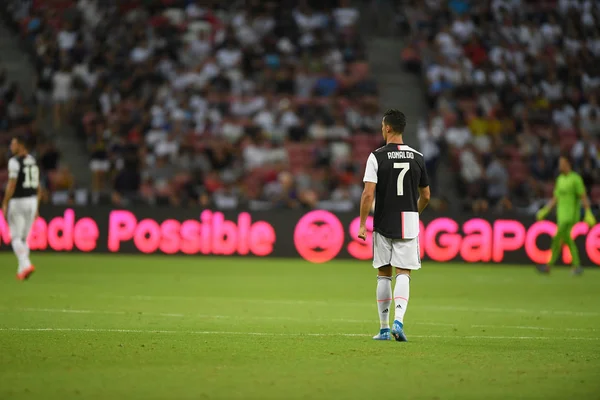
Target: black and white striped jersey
x,y
398,172
27,173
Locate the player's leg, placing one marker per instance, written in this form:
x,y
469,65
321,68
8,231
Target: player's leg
x,y
29,215
15,224
405,257
562,233
382,255
401,296
570,242
556,247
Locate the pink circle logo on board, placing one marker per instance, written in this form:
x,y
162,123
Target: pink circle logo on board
x,y
319,236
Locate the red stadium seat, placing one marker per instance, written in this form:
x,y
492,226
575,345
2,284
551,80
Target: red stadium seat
x,y
567,132
567,142
518,171
513,153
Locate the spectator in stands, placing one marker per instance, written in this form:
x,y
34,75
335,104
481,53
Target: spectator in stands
x,y
430,135
282,192
127,183
99,164
49,157
44,86
222,90
459,136
62,183
528,78
62,94
472,176
497,180
583,145
590,125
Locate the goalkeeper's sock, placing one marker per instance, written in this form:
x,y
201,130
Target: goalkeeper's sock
x,y
556,250
401,293
384,300
574,252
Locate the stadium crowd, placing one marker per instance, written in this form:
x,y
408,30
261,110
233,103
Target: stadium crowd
x,y
270,103
511,85
18,118
257,103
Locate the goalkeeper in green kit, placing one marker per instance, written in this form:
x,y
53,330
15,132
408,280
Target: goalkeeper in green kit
x,y
569,196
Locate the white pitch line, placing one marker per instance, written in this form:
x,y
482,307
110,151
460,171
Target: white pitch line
x,y
272,334
361,303
247,317
512,310
76,311
541,328
208,316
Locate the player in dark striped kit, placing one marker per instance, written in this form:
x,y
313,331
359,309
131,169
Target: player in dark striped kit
x,y
20,204
397,180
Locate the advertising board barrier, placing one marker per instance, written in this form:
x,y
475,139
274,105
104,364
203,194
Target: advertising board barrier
x,y
317,236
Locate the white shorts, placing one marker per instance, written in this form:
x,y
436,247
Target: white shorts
x,y
21,216
399,253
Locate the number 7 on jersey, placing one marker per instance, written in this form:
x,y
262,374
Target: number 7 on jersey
x,y
404,167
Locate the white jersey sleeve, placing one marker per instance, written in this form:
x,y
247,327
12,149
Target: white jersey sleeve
x,y
13,168
371,170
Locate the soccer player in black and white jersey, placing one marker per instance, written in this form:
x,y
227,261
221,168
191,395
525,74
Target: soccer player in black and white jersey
x,y
397,180
20,204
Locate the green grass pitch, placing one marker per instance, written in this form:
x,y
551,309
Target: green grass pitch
x,y
159,327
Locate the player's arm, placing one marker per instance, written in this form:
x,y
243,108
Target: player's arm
x,y
424,197
366,202
10,190
368,194
543,213
13,174
588,216
585,202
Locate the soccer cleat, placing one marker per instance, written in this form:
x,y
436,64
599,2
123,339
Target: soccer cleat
x,y
25,273
543,269
384,334
576,271
398,332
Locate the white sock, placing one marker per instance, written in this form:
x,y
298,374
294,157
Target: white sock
x,y
401,293
384,300
22,252
27,261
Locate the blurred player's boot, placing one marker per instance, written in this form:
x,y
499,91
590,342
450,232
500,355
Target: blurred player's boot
x,y
384,334
543,269
398,332
576,271
25,273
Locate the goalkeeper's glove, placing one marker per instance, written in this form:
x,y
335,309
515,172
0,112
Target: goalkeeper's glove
x,y
543,213
589,218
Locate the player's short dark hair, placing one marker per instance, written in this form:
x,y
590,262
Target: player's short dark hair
x,y
23,140
395,119
567,157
